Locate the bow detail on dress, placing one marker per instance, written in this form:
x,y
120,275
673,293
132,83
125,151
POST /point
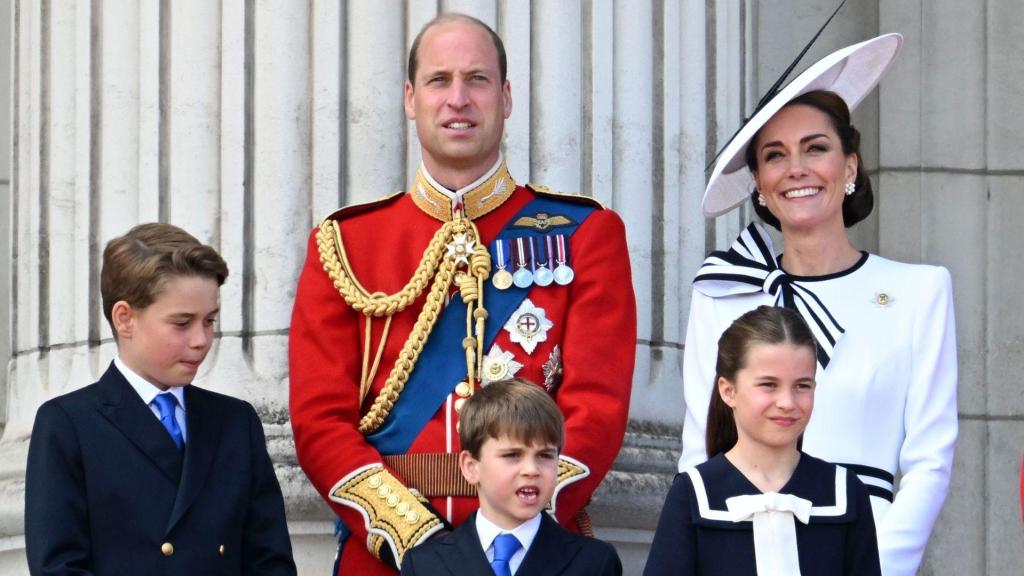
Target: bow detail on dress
x,y
774,516
750,266
745,507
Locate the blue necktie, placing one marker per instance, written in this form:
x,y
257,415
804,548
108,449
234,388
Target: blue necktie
x,y
165,403
505,545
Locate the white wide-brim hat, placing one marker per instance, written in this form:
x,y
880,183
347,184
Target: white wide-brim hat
x,y
851,73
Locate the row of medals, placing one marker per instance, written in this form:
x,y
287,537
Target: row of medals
x,y
529,269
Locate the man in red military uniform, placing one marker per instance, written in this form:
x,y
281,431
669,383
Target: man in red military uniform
x,y
407,305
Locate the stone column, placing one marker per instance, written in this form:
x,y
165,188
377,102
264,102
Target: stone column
x,y
952,178
6,113
246,121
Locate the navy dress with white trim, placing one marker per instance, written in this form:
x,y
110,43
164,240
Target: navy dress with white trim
x,y
886,405
697,536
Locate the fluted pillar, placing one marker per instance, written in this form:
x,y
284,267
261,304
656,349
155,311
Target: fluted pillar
x,y
247,121
952,176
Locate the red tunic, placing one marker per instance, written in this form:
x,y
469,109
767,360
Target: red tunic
x,y
594,321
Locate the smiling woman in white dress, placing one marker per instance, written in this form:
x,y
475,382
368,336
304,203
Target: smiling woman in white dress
x,y
886,395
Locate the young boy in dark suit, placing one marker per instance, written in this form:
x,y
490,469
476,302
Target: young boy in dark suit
x,y
140,473
511,434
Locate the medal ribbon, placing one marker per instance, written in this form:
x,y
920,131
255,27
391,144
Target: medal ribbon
x,y
544,257
520,253
499,253
435,375
562,256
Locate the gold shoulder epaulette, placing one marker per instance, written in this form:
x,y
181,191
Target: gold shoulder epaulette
x,y
570,470
353,209
568,196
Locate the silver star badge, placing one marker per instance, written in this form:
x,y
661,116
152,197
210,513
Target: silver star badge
x,y
553,370
461,248
528,326
499,365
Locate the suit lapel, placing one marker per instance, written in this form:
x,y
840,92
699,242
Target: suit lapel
x,y
552,550
203,426
124,409
462,553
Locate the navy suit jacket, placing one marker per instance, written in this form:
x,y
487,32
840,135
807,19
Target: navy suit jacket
x,y
555,552
108,493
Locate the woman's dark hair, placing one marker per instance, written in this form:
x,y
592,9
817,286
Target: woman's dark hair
x,y
856,206
762,325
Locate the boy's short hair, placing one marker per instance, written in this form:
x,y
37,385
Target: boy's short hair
x,y
515,407
137,266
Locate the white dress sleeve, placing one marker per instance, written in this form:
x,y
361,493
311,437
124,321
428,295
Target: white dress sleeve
x,y
930,423
699,356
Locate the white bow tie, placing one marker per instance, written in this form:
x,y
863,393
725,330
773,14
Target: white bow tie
x,y
774,516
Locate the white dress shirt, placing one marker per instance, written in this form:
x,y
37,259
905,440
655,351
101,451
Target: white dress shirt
x,y
525,533
148,392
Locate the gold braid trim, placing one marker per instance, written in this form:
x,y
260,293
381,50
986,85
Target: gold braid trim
x,y
410,353
438,262
570,470
394,516
335,261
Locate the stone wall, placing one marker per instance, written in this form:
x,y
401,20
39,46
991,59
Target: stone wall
x,y
6,113
246,121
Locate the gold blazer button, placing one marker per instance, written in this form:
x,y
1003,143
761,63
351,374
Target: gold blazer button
x,y
167,548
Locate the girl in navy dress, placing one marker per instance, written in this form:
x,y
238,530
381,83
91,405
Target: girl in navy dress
x,y
886,407
760,505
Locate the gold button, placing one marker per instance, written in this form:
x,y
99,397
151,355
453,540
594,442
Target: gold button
x,y
412,517
463,390
393,500
883,299
221,550
402,509
167,548
459,403
375,481
496,369
384,491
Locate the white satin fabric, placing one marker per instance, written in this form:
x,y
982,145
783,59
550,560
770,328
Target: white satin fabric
x,y
774,516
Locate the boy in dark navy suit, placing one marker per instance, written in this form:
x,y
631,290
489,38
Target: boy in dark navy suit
x,y
140,473
511,434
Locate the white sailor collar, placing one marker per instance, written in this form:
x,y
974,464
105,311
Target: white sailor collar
x,y
828,487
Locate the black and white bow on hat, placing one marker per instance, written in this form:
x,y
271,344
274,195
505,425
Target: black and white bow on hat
x,y
750,266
